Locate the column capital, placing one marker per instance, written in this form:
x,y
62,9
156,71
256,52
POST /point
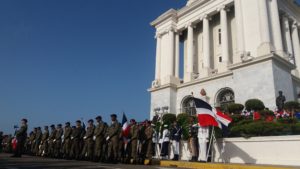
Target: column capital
x,y
295,24
223,7
205,16
157,35
190,24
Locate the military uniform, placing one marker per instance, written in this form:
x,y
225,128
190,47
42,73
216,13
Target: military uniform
x,y
21,136
175,137
38,138
133,135
113,132
44,142
76,134
32,140
148,141
58,141
192,142
99,140
51,141
89,142
67,140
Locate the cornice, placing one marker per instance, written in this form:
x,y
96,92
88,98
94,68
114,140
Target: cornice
x,y
171,14
256,60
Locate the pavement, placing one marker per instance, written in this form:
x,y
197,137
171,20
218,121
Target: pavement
x,y
30,162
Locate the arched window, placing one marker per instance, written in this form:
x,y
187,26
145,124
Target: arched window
x,y
224,97
188,106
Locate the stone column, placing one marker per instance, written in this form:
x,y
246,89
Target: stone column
x,y
190,52
158,57
287,36
265,46
224,36
296,45
206,43
239,28
171,57
277,36
177,55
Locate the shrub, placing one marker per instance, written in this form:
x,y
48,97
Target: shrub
x,y
235,108
291,105
168,118
254,104
183,121
266,113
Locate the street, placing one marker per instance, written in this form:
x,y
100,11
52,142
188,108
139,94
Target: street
x,y
30,162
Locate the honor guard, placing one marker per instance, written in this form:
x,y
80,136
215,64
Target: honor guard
x,y
176,137
112,138
192,141
21,136
51,141
133,136
58,141
38,138
67,140
99,139
44,142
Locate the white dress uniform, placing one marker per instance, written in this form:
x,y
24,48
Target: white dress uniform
x,y
203,135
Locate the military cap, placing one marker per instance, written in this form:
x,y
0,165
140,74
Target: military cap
x,y
59,125
132,121
91,121
46,127
39,128
78,121
165,125
52,125
25,120
113,115
68,123
98,117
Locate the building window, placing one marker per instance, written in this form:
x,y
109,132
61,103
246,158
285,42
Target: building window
x,y
224,97
220,36
188,106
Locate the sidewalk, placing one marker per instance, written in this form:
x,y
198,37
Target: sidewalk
x,y
197,165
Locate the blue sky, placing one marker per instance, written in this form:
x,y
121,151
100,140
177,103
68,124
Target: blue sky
x,y
61,60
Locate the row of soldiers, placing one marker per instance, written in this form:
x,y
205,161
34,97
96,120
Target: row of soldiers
x,y
100,142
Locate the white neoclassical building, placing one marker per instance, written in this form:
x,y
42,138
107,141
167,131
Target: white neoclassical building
x,y
233,49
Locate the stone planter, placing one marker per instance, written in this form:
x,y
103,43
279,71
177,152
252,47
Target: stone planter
x,y
275,150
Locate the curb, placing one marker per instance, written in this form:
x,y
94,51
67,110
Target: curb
x,y
195,165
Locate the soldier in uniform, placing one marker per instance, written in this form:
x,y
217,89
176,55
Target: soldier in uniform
x,y
99,139
165,142
58,141
192,140
32,139
51,141
44,142
67,140
21,136
148,140
88,141
133,136
175,137
112,137
76,133
38,138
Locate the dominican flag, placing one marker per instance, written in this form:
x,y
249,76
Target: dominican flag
x,y
125,126
223,118
208,116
